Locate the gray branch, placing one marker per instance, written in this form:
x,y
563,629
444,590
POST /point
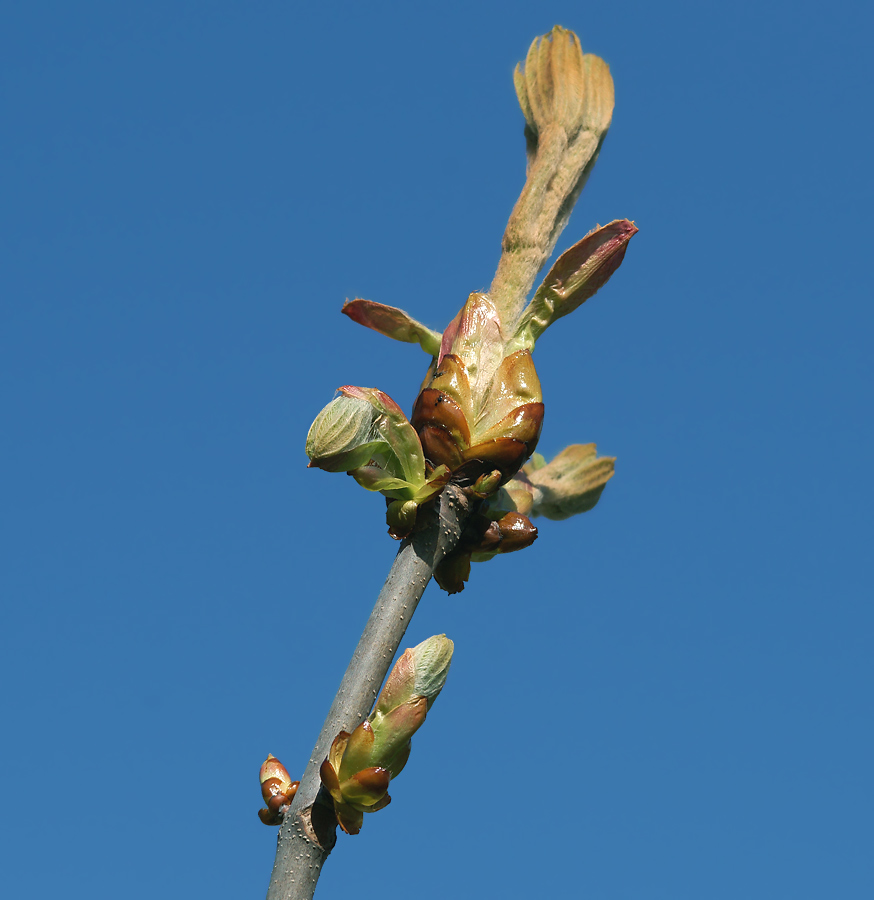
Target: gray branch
x,y
308,833
567,99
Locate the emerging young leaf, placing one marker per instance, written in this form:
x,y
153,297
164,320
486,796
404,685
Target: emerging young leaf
x,y
277,789
578,274
393,323
570,484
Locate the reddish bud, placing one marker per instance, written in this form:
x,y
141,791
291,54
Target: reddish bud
x,y
277,789
517,532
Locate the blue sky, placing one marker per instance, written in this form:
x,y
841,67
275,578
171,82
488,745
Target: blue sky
x,y
668,697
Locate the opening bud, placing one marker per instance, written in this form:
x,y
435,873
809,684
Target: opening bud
x,y
341,437
570,484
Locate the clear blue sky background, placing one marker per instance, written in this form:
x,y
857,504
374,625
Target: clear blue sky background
x,y
666,698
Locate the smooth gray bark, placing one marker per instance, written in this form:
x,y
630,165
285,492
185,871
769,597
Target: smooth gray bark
x,y
308,833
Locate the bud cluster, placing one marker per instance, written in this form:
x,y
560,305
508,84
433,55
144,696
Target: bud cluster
x,y
479,414
277,789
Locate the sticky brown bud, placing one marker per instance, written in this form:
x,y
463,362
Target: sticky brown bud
x,y
277,789
517,532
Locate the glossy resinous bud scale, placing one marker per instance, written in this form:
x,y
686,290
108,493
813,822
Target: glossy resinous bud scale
x,y
340,439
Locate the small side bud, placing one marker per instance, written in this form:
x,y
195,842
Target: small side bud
x,y
496,528
517,532
487,484
401,517
277,789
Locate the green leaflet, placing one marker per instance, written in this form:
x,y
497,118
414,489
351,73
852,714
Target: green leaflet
x,y
402,455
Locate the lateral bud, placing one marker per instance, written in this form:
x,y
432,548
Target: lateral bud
x,y
360,765
484,538
277,789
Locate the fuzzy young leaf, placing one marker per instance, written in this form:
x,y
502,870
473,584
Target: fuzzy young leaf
x,y
571,483
402,455
431,661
